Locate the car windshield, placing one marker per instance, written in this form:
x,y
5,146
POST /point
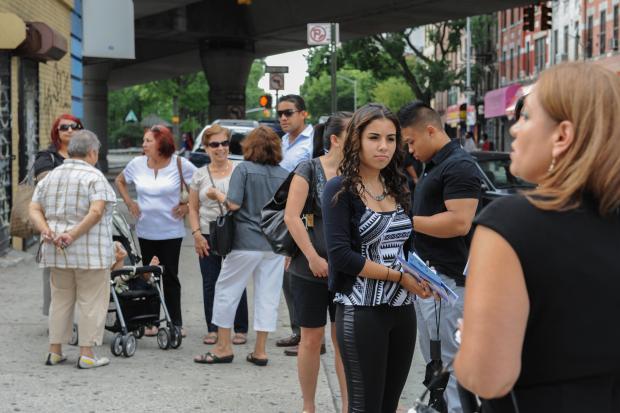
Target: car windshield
x,y
498,172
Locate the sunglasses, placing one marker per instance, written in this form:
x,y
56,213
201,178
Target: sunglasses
x,y
214,145
286,113
72,126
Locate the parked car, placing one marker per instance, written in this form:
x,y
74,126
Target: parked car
x,y
497,181
239,129
273,124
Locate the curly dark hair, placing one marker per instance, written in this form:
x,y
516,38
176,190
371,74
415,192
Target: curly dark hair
x,y
392,174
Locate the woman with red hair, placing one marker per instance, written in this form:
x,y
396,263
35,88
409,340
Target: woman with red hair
x,y
62,130
158,176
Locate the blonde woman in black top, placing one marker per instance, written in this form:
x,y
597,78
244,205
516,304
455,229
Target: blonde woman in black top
x,y
539,331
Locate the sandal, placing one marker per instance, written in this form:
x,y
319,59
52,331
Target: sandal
x,y
256,361
151,331
240,338
211,338
210,358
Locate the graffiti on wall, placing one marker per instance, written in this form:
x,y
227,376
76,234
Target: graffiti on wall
x,y
28,116
5,149
56,93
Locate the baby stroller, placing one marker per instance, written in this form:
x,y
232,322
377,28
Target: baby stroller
x,y
134,300
136,305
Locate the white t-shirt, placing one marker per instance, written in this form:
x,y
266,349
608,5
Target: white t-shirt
x,y
209,208
157,196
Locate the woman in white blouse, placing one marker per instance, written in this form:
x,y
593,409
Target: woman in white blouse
x,y
158,176
204,208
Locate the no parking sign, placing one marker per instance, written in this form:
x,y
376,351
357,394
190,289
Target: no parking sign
x,y
320,34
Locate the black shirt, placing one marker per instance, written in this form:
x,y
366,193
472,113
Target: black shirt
x,y
570,358
47,160
451,174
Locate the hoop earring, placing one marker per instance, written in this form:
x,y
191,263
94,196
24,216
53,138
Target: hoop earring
x,y
552,166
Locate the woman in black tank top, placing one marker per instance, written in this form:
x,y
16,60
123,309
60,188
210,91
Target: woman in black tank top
x,y
539,332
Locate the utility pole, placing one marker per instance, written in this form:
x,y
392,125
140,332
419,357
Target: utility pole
x,y
468,60
334,68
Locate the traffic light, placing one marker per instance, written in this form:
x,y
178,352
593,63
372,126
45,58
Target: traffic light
x,y
528,18
265,101
545,17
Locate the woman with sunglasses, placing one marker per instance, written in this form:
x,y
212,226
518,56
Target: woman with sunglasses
x,y
158,176
210,182
62,130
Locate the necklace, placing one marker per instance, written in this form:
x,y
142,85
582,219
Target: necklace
x,y
220,171
377,198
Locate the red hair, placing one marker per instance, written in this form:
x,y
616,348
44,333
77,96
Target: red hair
x,y
55,136
164,138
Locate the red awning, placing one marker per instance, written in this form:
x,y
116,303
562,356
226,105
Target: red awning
x,y
497,101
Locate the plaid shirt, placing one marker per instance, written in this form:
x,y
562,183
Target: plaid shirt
x,y
65,195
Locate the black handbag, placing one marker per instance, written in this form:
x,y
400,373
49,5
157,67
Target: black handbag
x,y
222,230
272,220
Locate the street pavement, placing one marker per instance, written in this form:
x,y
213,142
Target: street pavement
x,y
153,379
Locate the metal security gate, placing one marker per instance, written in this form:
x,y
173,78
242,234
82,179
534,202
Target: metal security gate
x,y
28,115
5,150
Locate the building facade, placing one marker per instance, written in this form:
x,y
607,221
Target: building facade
x,y
36,85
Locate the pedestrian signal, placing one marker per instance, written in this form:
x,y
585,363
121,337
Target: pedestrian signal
x,y
265,101
528,18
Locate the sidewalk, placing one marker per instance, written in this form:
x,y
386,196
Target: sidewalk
x,y
152,379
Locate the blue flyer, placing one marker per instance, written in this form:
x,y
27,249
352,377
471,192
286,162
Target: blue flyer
x,y
418,268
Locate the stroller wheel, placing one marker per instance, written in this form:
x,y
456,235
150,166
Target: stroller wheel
x,y
129,345
139,333
175,337
74,336
116,345
163,338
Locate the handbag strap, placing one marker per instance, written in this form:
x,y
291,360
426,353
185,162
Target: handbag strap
x,y
213,184
180,168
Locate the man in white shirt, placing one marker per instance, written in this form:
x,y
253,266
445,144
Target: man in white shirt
x,y
297,146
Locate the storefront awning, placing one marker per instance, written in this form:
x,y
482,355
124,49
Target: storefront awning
x,y
523,90
12,31
496,101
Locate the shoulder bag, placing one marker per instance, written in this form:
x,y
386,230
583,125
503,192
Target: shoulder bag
x,y
222,230
183,190
20,225
272,219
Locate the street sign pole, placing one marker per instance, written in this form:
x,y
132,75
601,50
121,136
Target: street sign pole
x,y
334,68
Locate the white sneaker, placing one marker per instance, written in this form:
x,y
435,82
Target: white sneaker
x,y
53,359
90,363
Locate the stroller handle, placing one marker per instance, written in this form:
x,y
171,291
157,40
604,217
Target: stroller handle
x,y
130,270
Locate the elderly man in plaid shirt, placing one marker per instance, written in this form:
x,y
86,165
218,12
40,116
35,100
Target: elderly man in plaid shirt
x,y
72,207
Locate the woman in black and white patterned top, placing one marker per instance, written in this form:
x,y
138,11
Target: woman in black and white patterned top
x,y
366,229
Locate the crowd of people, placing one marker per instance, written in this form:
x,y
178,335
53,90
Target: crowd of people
x,y
531,270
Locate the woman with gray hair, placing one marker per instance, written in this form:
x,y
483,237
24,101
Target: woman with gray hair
x,y
72,208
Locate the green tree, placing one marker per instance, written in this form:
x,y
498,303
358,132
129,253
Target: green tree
x,y
317,91
393,93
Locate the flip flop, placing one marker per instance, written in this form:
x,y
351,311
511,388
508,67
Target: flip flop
x,y
210,358
210,338
240,338
256,361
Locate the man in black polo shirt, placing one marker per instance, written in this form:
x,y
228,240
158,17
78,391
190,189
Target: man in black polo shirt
x,y
444,205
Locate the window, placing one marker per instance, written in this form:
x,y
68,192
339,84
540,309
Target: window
x,y
616,22
602,37
510,65
527,58
577,40
565,51
589,36
554,48
539,59
504,64
510,17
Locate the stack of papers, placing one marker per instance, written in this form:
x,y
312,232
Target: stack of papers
x,y
418,268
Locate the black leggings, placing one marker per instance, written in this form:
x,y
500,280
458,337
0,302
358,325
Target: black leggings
x,y
377,345
168,251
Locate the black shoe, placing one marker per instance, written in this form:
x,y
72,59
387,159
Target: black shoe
x,y
292,351
289,341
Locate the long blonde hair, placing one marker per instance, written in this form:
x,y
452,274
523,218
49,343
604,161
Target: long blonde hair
x,y
587,95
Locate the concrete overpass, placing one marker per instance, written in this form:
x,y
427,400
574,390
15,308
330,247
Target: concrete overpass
x,y
222,37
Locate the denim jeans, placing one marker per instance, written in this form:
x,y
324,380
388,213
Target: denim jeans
x,y
210,267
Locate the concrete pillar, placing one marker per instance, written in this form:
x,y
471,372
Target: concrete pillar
x,y
227,64
96,106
